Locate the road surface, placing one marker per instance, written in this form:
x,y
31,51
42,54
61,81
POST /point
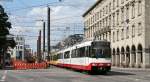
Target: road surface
x,y
55,74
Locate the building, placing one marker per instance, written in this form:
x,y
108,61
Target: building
x,y
125,23
18,51
28,51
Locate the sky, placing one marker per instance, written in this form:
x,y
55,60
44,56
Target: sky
x,y
26,17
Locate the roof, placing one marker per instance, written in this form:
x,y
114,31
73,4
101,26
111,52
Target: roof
x,y
92,7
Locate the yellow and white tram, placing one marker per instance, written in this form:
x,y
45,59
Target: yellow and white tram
x,y
92,56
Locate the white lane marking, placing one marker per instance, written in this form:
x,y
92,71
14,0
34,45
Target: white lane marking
x,y
4,76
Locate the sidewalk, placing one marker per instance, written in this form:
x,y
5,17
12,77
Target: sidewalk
x,y
130,69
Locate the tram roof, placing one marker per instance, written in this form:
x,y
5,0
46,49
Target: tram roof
x,y
79,45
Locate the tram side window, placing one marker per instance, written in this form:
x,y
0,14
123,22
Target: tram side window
x,y
60,56
76,53
90,52
82,52
55,57
66,55
87,51
73,54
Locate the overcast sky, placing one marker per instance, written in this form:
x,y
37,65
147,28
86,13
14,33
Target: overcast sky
x,y
66,17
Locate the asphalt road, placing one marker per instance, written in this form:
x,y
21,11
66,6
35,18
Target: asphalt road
x,y
64,75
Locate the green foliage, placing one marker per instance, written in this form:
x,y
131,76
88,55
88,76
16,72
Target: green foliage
x,y
5,25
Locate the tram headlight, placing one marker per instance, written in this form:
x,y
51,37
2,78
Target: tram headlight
x,y
108,64
94,64
101,64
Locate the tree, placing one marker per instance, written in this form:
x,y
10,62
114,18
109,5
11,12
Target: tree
x,y
5,26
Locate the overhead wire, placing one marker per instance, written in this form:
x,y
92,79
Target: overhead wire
x,y
24,8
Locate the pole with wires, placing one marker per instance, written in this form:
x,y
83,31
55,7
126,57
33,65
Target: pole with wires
x,y
48,35
44,40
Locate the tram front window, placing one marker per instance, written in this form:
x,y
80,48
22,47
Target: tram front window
x,y
99,53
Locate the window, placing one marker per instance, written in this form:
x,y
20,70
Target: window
x,y
103,23
113,4
122,15
109,7
139,7
117,18
93,19
87,51
127,13
66,54
103,11
97,15
100,25
139,28
117,35
106,9
122,34
133,30
109,21
100,14
127,32
117,3
81,52
133,9
113,36
21,47
113,20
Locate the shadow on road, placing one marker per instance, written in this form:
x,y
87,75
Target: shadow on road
x,y
112,73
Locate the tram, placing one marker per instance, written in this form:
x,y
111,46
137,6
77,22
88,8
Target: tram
x,y
90,56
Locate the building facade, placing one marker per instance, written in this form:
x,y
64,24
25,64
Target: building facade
x,y
125,23
18,51
28,51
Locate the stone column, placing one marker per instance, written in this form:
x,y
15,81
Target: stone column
x,y
121,59
125,60
138,60
117,60
113,60
146,61
134,59
131,60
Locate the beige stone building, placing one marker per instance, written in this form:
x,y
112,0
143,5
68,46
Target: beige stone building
x,y
126,24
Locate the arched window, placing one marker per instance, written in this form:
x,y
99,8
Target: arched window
x,y
133,30
140,52
139,7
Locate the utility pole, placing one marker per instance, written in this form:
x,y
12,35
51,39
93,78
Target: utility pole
x,y
48,34
40,56
43,39
39,47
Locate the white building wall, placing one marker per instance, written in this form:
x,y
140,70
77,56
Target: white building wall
x,y
128,21
19,47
